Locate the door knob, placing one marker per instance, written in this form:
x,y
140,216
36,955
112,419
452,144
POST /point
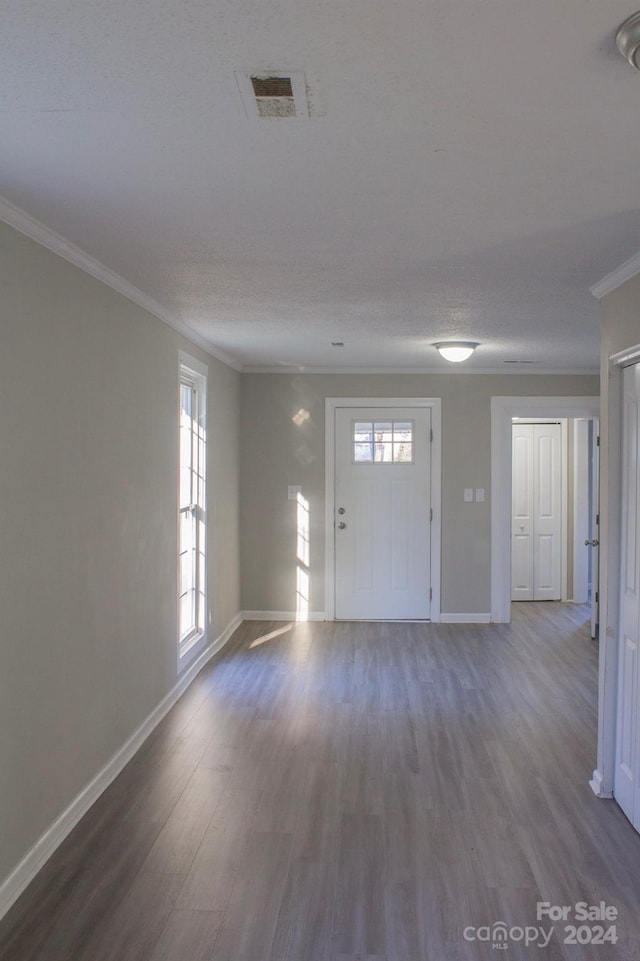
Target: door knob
x,y
341,510
342,525
593,543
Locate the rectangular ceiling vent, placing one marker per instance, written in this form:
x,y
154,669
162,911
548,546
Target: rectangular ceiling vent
x,y
273,95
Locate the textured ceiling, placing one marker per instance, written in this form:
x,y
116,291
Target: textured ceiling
x,y
467,169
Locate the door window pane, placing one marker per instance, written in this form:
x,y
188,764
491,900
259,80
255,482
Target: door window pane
x,y
383,442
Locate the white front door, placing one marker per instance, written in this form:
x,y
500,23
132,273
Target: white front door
x,y
627,772
382,513
536,527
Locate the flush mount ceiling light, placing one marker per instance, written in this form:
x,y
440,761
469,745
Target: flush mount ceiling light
x,y
456,350
628,40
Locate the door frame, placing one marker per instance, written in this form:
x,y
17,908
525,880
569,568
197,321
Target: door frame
x,y
331,404
503,409
610,547
581,508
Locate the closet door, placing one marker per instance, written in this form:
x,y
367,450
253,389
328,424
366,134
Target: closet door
x,y
522,514
547,512
536,522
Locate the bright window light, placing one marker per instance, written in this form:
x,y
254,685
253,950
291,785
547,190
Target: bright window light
x,y
192,509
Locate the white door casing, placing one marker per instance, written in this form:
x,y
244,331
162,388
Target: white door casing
x,y
384,563
580,507
627,767
537,512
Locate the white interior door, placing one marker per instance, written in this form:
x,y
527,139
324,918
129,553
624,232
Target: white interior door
x,y
582,507
536,525
547,519
627,773
522,514
593,545
382,513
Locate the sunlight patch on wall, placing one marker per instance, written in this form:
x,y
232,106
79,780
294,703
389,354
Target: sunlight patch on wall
x,y
302,554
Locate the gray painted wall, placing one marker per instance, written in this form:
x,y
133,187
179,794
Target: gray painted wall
x,y
88,481
276,452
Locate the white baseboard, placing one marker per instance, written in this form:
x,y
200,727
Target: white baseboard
x,y
446,617
282,616
597,785
25,871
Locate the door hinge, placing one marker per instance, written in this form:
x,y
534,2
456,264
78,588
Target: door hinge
x,y
597,441
597,597
430,593
597,519
431,435
431,514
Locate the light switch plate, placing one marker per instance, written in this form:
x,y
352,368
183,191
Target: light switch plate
x,y
292,492
480,494
468,495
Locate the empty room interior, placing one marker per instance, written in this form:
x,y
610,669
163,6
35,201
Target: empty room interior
x,y
320,481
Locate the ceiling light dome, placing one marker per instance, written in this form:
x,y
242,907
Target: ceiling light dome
x,y
456,350
628,40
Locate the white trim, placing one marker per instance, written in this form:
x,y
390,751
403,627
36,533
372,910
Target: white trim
x,y
193,375
331,404
455,369
564,507
597,785
626,357
25,871
581,509
615,278
26,224
502,410
282,616
193,364
448,617
609,585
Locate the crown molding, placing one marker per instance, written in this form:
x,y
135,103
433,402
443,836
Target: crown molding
x,y
26,224
445,372
23,222
630,268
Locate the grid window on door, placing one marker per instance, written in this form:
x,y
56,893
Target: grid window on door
x,y
191,509
383,442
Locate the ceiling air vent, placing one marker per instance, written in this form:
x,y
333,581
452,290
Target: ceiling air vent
x,y
273,95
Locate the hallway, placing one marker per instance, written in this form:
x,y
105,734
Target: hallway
x,y
342,791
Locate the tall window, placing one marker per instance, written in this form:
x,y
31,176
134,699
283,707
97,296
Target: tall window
x,y
192,507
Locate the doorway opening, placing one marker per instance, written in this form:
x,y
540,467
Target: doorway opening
x,y
555,515
503,410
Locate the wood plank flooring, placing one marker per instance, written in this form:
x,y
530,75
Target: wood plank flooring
x,y
351,792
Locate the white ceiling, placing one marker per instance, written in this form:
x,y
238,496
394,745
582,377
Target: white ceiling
x,y
467,169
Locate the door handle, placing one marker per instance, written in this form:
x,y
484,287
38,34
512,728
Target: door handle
x,y
593,543
341,510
